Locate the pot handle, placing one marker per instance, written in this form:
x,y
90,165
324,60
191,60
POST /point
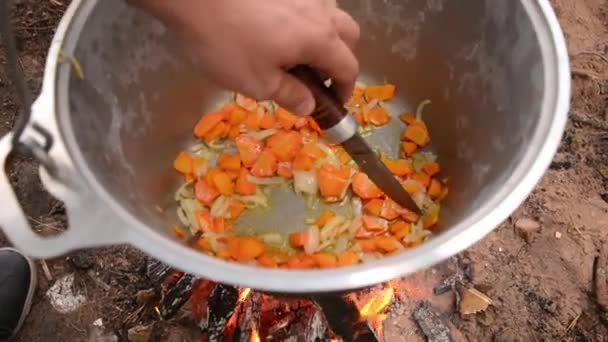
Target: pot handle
x,y
90,223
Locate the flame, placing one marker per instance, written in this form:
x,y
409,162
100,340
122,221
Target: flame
x,y
157,310
373,309
255,337
244,293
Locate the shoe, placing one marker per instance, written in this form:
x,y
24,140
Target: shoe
x,y
17,287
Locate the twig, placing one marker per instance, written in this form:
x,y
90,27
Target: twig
x,y
592,53
47,225
601,293
588,74
431,324
572,324
586,119
46,270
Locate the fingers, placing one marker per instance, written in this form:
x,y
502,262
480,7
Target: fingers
x,y
347,28
294,95
335,59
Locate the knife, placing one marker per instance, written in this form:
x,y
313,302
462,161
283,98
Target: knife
x,y
340,128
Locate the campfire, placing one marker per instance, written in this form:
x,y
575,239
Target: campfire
x,y
226,313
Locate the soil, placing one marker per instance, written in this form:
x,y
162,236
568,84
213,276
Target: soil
x,y
540,281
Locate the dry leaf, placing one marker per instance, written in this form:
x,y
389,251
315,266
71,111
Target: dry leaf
x,y
472,301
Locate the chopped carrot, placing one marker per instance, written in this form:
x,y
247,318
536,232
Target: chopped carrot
x,y
205,192
325,260
266,261
301,122
327,215
362,233
367,245
207,123
236,208
348,258
183,163
252,122
301,261
399,167
266,165
364,187
229,108
203,244
223,183
374,206
344,157
313,151
237,117
205,221
234,132
333,181
422,178
431,169
211,173
379,92
243,185
223,254
408,118
285,119
359,118
219,131
302,162
434,189
298,239
378,116
412,187
285,145
314,125
309,136
408,148
189,177
358,92
390,210
178,232
246,103
219,225
249,248
400,229
233,175
375,224
386,244
285,170
229,162
249,149
417,134
232,245
267,121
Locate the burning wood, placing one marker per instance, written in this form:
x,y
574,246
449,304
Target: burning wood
x,y
431,324
248,317
176,296
221,306
342,314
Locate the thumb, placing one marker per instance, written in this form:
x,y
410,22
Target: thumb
x,y
294,95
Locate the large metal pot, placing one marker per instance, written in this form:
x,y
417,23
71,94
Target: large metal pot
x,y
496,70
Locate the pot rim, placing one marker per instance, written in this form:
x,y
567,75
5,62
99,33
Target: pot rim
x,y
534,163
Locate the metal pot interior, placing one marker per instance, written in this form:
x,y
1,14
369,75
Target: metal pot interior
x,y
480,63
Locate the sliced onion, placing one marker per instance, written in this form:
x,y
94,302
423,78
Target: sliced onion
x,y
421,108
330,230
220,207
312,240
266,180
257,200
190,207
341,244
246,103
183,192
262,135
305,182
273,239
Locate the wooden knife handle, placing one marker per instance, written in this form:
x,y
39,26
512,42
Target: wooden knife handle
x,y
329,110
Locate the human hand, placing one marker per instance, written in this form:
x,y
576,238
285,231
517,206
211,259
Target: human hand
x,y
249,45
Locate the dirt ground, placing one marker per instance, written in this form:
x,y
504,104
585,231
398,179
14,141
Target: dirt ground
x,y
541,286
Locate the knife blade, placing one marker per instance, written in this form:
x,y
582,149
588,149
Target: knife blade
x,y
340,128
377,172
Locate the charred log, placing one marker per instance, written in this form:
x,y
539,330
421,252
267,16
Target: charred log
x,y
342,315
222,304
176,296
